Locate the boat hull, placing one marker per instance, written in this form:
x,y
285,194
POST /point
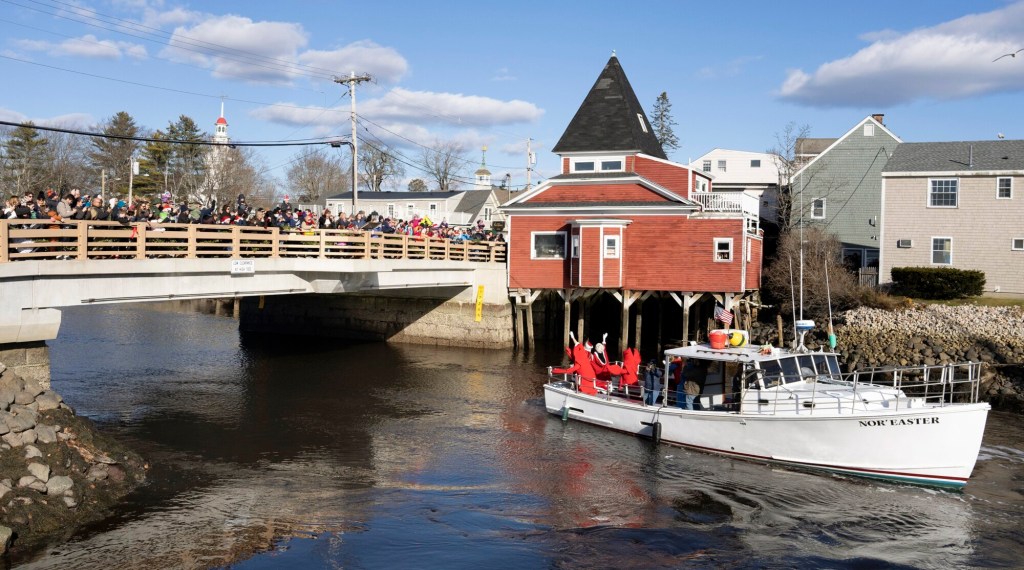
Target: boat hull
x,y
934,446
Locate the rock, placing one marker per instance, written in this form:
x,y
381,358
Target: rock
x,y
28,436
18,423
34,388
5,538
101,458
58,485
48,400
24,398
70,502
97,472
115,473
891,349
32,451
40,471
27,411
6,397
46,434
65,435
12,439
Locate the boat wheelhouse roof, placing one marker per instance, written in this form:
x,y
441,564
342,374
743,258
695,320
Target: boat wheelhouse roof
x,y
732,354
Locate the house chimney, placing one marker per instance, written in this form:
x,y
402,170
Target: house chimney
x,y
878,117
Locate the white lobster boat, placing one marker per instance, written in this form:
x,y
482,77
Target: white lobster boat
x,y
920,424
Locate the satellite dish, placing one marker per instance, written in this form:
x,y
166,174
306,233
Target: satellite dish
x,y
1001,135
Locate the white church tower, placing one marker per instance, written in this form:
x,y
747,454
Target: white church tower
x,y
216,158
483,176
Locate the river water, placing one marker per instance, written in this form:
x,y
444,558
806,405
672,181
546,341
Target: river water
x,y
268,453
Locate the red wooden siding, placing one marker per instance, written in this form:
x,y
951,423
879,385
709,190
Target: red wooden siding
x,y
612,274
535,273
590,252
754,267
673,177
599,193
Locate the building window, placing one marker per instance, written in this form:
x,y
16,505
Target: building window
x,y
587,166
943,193
643,123
869,130
707,166
576,246
755,163
487,214
942,251
409,209
611,246
723,249
871,258
1017,244
391,211
432,208
818,208
611,165
547,245
721,165
853,258
1004,188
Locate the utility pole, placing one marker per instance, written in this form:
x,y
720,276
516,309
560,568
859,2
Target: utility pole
x,y
352,80
531,159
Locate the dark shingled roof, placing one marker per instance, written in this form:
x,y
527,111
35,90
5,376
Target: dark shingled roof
x,y
957,156
607,120
364,195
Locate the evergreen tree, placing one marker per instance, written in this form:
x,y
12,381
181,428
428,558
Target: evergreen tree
x,y
417,185
187,171
113,153
154,167
661,120
26,158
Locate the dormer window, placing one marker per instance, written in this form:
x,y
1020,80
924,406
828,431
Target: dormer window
x,y
643,123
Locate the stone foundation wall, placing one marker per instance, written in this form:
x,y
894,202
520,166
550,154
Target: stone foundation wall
x,y
28,360
414,320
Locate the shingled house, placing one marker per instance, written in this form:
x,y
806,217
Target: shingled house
x,y
622,220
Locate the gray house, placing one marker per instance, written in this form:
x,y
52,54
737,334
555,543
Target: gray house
x,y
956,204
840,188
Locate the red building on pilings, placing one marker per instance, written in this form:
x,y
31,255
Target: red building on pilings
x,y
623,220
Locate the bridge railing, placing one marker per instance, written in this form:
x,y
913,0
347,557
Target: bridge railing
x,y
83,240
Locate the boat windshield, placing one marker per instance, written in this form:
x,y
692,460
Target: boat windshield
x,y
793,368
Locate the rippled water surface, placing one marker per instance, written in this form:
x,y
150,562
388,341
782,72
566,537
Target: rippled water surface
x,y
268,453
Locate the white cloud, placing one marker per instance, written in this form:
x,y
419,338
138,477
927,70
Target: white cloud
x,y
70,120
88,46
237,47
503,74
384,64
952,60
455,109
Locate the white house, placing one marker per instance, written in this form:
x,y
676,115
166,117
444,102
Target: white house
x,y
755,173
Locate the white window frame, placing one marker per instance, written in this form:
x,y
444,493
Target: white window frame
x,y
599,163
487,214
616,248
1010,188
933,250
931,191
721,165
869,130
1017,244
643,123
533,245
432,208
575,246
823,211
706,166
391,211
716,251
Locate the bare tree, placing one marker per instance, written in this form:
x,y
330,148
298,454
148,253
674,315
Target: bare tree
x,y
444,162
68,166
238,171
316,174
784,156
378,166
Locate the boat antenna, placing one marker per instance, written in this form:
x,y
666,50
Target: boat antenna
x,y
792,297
828,293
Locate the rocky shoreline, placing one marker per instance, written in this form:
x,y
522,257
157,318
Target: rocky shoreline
x,y
56,470
938,334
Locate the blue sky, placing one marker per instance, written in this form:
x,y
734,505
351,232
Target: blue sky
x,y
499,73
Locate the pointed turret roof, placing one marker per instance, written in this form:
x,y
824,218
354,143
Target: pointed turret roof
x,y
610,119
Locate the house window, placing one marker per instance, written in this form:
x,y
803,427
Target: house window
x,y
853,258
755,163
600,163
611,165
432,208
1017,244
869,130
611,246
547,245
487,214
409,208
707,166
818,208
721,165
1004,188
391,211
871,258
587,166
942,251
643,123
576,246
943,193
723,249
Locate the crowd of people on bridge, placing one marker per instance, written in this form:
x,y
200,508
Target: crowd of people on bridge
x,y
48,206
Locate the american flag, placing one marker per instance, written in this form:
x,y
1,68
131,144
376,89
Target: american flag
x,y
723,316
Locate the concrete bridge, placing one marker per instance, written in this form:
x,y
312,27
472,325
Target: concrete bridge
x,y
44,267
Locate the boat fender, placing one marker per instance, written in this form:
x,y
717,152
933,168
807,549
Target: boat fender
x,y
655,431
565,413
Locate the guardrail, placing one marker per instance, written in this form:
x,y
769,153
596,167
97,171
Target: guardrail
x,y
738,202
84,240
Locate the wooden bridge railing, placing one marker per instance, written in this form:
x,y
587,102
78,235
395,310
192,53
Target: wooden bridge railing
x,y
82,240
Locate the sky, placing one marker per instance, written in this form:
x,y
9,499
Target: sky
x,y
508,74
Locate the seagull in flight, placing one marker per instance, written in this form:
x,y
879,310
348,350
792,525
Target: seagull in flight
x,y
1014,54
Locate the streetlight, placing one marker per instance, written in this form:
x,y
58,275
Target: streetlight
x,y
355,189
